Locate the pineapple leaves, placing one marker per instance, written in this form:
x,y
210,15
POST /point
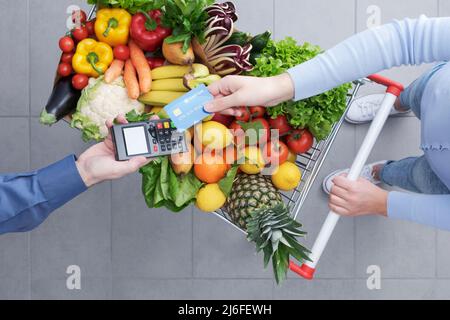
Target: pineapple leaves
x,y
275,233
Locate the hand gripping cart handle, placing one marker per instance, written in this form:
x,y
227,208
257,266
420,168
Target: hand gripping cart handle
x,y
394,90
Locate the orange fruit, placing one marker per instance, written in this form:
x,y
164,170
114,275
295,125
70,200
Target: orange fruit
x,y
210,168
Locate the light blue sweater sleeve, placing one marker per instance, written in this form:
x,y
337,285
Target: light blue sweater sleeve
x,y
430,210
406,42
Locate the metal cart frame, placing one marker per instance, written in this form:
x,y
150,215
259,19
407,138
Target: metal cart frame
x,y
310,164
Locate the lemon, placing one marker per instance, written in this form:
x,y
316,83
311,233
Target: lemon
x,y
214,135
207,119
287,177
254,161
210,198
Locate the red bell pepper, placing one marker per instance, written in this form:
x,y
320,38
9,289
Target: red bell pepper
x,y
147,32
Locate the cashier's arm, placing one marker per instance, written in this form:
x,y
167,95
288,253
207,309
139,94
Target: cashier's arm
x,y
27,199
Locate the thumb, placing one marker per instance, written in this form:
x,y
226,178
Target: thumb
x,y
223,103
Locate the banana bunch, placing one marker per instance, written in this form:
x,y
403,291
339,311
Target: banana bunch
x,y
171,82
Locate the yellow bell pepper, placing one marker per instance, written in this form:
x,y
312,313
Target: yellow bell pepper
x,y
92,58
113,26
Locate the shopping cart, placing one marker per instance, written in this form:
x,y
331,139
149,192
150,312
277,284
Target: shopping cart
x,y
311,162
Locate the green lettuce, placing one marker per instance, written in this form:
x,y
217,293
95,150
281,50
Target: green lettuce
x,y
318,113
162,187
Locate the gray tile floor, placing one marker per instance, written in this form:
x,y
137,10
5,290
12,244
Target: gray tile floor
x,y
126,251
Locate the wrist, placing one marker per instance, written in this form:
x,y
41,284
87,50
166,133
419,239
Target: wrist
x,y
85,174
285,86
382,203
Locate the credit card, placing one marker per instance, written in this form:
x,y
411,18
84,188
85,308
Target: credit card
x,y
189,110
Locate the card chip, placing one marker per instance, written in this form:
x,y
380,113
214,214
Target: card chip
x,y
177,112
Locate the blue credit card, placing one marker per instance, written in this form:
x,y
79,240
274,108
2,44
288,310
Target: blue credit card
x,y
189,110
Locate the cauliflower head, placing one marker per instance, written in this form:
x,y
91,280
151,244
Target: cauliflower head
x,y
100,102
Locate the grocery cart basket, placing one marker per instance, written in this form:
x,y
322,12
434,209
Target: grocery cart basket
x,y
310,164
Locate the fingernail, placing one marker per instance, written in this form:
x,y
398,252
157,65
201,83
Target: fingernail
x,y
208,107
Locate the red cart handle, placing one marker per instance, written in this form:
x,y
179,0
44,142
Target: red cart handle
x,y
393,87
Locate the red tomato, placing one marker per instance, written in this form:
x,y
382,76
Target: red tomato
x,y
263,128
257,112
245,114
64,69
223,119
67,57
79,17
300,141
90,26
80,33
238,133
276,152
122,52
280,123
66,44
80,81
155,62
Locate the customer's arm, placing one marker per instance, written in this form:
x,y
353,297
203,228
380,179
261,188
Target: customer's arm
x,y
430,210
26,200
360,198
406,42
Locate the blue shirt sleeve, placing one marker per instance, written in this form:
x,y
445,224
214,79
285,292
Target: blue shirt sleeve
x,y
430,210
27,199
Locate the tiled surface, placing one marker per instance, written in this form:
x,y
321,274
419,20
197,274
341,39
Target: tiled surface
x,y
126,251
339,19
14,72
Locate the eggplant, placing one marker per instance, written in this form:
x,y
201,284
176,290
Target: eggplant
x,y
61,103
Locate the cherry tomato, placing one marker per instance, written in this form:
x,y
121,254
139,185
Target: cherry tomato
x,y
80,33
79,17
64,69
67,57
280,123
90,26
80,81
155,62
245,114
66,44
300,141
122,52
276,152
257,112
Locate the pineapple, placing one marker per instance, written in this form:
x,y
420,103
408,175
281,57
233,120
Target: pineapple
x,y
255,205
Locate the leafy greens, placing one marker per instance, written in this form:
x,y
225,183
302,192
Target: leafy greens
x,y
318,113
162,187
133,6
187,19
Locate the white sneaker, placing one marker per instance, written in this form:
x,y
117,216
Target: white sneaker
x,y
366,173
364,109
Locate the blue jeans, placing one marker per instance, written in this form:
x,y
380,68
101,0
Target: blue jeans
x,y
414,174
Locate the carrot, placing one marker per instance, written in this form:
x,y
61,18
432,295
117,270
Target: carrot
x,y
114,71
131,81
142,67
